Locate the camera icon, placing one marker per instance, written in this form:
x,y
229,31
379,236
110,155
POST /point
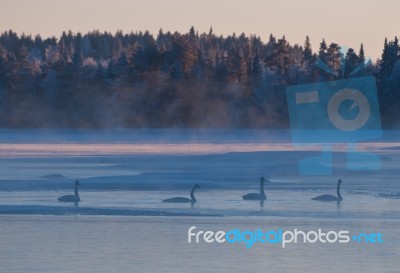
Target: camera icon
x,y
342,111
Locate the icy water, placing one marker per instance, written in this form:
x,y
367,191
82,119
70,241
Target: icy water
x,y
153,244
121,225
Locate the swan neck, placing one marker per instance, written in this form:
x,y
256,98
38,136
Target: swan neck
x,y
262,193
192,195
338,192
76,190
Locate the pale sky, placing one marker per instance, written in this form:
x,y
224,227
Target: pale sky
x,y
347,22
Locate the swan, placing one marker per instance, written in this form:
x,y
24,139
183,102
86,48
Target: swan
x,y
192,199
71,198
257,196
329,197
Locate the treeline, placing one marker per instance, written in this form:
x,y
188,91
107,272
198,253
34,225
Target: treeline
x,y
136,80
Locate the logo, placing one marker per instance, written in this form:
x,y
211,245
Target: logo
x,y
326,113
283,238
358,100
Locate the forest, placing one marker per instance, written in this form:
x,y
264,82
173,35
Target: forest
x,y
173,80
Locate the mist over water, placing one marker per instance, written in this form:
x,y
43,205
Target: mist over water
x,y
175,159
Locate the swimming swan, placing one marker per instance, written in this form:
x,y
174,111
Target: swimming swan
x,y
257,196
71,198
192,199
328,197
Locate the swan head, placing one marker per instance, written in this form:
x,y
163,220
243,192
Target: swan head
x,y
340,181
196,186
262,180
77,183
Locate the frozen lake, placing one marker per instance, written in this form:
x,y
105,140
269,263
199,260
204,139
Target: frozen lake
x,y
121,224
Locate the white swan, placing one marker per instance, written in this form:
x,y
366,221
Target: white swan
x,y
192,199
257,196
329,197
71,198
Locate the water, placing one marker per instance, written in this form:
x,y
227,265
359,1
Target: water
x,y
121,225
150,244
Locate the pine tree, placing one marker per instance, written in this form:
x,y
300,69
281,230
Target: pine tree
x,y
23,65
190,52
270,46
280,61
121,68
256,67
352,61
322,53
77,58
396,47
389,57
307,52
333,57
389,83
361,54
